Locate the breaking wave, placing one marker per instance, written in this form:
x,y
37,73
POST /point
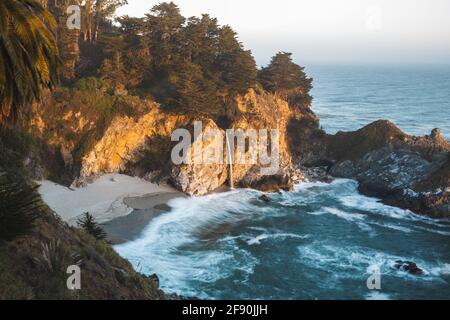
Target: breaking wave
x,y
315,242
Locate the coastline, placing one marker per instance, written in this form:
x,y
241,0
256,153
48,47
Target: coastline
x,y
110,197
123,205
145,208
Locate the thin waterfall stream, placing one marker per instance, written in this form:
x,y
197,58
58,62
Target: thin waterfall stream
x,y
230,159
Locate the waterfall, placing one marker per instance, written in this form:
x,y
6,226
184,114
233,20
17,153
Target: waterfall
x,y
230,160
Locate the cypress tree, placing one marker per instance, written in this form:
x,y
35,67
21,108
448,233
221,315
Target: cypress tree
x,y
282,74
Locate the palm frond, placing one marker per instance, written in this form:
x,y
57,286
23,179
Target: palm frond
x,y
28,55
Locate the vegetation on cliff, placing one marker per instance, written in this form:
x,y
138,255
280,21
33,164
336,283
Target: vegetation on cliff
x,y
36,248
19,206
87,223
190,65
288,79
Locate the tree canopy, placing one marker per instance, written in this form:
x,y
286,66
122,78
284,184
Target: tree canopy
x,y
284,77
283,74
190,61
190,65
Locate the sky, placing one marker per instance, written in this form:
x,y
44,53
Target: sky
x,y
330,31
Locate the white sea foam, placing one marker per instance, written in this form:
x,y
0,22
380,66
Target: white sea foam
x,y
167,245
392,226
375,206
345,215
443,269
257,240
354,261
208,239
307,185
377,295
444,233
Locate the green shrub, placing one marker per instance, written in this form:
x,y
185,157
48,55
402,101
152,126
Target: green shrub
x,y
56,258
14,148
88,224
92,84
20,205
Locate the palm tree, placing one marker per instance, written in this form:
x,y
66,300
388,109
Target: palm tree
x,y
28,55
20,206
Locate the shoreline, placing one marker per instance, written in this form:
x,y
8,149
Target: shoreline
x,y
123,205
109,197
145,208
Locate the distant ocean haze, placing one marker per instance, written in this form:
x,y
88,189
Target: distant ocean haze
x,y
415,98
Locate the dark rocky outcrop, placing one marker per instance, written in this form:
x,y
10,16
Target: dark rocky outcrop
x,y
265,198
404,171
384,170
272,183
354,145
307,142
408,266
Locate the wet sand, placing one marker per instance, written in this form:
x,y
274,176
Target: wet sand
x,y
146,207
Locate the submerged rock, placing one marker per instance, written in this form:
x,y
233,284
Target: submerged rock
x,y
409,267
265,198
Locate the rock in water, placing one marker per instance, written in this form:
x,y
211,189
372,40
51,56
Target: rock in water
x,y
273,183
404,171
409,267
265,198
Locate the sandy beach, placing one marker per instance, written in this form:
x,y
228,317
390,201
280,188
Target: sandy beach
x,y
110,197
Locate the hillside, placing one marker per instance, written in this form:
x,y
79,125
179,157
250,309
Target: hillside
x,y
34,265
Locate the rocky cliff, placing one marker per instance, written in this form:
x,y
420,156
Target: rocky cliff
x,y
140,144
405,171
128,141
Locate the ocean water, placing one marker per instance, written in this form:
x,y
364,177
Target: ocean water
x,y
416,98
321,241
